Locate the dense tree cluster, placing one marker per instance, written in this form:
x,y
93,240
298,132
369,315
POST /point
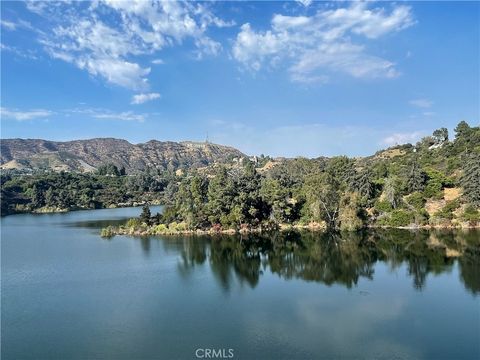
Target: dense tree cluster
x,y
390,188
400,186
64,191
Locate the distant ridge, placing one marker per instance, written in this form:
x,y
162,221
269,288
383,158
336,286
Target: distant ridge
x,y
87,155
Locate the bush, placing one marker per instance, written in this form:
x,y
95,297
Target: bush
x,y
383,206
416,200
107,232
397,218
447,211
160,229
471,215
133,223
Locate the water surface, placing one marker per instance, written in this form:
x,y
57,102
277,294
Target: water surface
x,y
69,294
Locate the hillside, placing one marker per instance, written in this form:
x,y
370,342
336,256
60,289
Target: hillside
x,y
88,155
434,182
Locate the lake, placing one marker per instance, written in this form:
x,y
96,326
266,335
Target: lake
x,y
67,293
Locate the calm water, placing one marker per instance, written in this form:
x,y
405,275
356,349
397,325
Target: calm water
x,y
67,293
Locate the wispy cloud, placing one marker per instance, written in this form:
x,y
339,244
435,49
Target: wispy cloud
x,y
142,98
8,25
91,40
314,45
157,62
20,115
402,138
421,103
26,54
124,116
108,114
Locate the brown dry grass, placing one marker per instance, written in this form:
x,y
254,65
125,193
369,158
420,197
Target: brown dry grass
x,y
432,206
269,165
450,194
452,253
388,154
13,164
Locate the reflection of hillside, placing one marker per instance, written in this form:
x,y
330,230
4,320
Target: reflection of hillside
x,y
332,258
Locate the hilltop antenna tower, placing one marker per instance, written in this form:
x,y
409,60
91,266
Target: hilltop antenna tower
x,y
206,139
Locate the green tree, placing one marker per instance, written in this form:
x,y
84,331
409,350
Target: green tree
x,y
391,191
471,179
145,215
49,197
440,135
416,177
351,216
323,199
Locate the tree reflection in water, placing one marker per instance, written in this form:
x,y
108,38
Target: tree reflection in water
x,y
331,258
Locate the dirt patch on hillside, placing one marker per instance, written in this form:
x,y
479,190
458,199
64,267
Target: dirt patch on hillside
x,y
388,154
433,206
268,166
450,194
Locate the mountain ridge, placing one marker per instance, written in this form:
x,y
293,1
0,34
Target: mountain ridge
x,y
88,154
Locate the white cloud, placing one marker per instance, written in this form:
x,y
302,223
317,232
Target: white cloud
x,y
158,62
124,116
27,54
142,98
8,25
313,45
421,103
402,138
19,24
107,114
24,115
106,38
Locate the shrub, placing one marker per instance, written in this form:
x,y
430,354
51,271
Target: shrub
x,y
383,206
133,223
471,215
160,229
447,211
397,218
416,200
107,232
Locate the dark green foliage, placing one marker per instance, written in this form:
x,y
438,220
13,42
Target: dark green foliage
x,y
471,215
416,200
391,191
397,218
436,182
145,215
471,179
110,169
362,183
69,191
416,177
447,211
392,187
440,135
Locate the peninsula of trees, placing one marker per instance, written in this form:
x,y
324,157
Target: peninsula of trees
x,y
432,183
435,183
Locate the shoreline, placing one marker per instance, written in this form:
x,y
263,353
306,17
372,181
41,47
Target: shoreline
x,y
164,230
56,210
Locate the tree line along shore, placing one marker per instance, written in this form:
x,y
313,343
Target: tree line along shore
x,y
433,183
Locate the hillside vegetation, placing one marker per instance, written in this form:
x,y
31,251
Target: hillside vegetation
x,y
432,183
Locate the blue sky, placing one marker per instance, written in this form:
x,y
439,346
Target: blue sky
x,y
279,78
